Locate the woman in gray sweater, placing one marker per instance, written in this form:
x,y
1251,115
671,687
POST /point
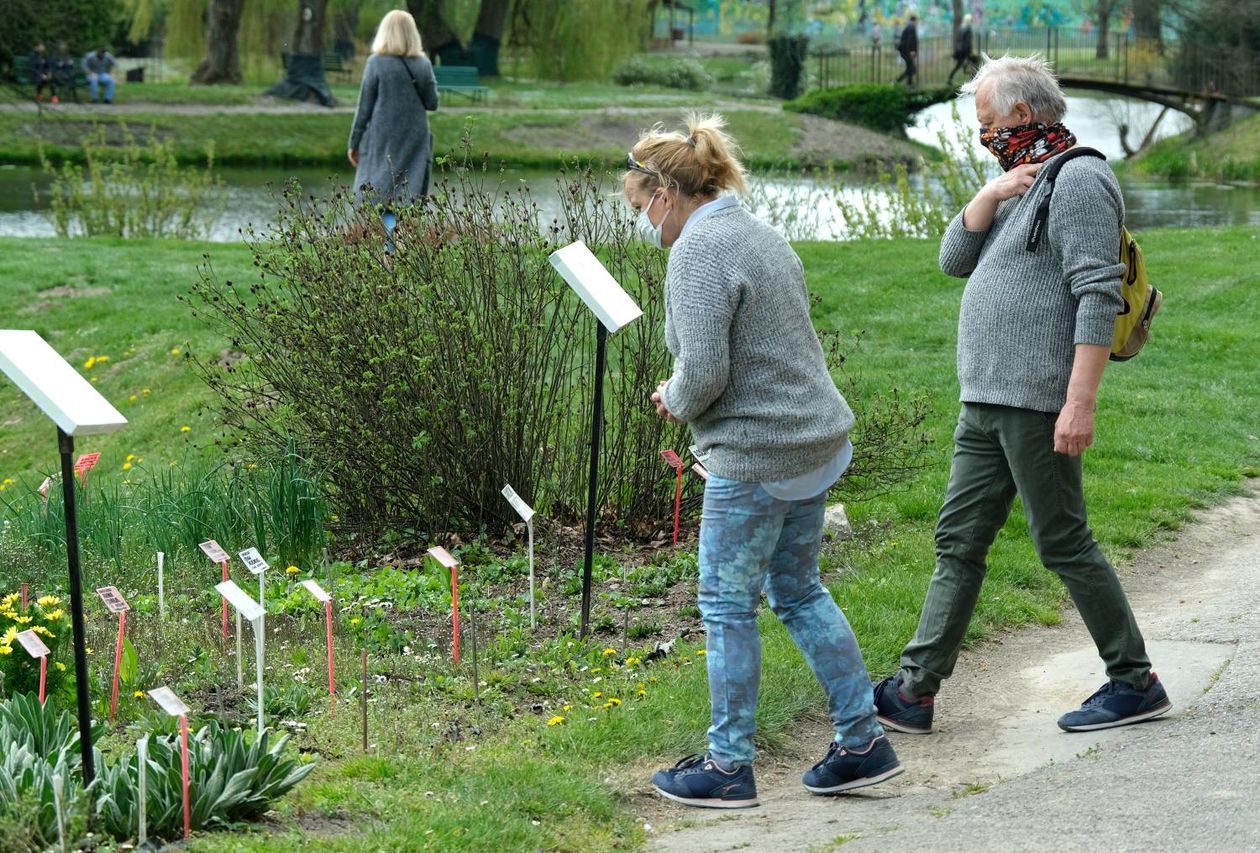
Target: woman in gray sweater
x,y
750,379
390,144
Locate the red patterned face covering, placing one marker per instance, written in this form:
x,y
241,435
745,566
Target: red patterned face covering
x,y
1026,143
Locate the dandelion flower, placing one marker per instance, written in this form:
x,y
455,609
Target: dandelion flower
x,y
61,667
146,392
185,428
597,695
568,708
609,652
292,570
139,694
90,363
641,693
130,456
557,720
355,620
614,701
175,350
126,466
101,359
133,398
701,653
632,661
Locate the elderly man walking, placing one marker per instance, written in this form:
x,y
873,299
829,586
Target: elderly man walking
x,y
1034,334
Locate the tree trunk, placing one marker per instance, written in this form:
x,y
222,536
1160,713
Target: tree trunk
x,y
1104,29
773,4
956,6
1146,23
440,41
304,66
488,35
222,62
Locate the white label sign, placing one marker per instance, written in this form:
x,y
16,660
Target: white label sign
x,y
313,587
443,556
249,609
598,289
695,452
33,644
60,391
214,551
168,701
113,599
701,471
253,561
522,509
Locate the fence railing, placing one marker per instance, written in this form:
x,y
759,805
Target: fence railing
x,y
1113,57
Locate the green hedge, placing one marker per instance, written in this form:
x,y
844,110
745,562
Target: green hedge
x,y
885,107
676,74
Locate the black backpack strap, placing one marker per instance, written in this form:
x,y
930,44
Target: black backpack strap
x,y
416,83
1042,216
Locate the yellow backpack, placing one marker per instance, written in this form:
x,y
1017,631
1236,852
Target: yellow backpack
x,y
1141,300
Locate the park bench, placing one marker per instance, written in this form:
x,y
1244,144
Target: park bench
x,y
334,63
22,77
461,79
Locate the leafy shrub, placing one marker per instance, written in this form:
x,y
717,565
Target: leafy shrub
x,y
133,191
787,65
83,23
19,673
676,74
884,107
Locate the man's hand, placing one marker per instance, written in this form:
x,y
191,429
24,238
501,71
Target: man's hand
x,y
353,156
978,215
1074,430
660,405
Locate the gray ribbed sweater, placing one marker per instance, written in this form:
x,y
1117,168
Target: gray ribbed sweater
x,y
1024,312
749,374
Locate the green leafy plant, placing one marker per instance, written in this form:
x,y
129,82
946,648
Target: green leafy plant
x,y
19,673
885,107
675,74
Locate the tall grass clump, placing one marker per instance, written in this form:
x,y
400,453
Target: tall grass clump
x,y
132,190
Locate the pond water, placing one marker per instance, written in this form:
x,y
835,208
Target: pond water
x,y
805,205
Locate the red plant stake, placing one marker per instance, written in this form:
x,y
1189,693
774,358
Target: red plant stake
x,y
183,743
444,557
26,594
43,676
117,604
677,464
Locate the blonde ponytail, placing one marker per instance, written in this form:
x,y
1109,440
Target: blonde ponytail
x,y
700,162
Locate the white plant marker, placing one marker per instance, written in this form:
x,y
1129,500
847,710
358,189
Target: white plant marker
x,y
252,612
173,705
526,512
257,565
142,766
161,558
313,587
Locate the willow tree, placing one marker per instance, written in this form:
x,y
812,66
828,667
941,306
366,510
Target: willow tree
x,y
304,68
222,62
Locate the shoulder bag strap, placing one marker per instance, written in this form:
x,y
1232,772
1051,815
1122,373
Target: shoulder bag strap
x,y
414,82
1042,216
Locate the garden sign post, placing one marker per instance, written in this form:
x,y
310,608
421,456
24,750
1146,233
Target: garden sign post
x,y
526,512
257,566
215,552
76,408
116,604
313,587
36,649
253,613
173,705
613,308
673,460
448,562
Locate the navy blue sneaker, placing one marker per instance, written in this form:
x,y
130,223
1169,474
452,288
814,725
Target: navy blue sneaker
x,y
698,780
899,712
844,769
1117,704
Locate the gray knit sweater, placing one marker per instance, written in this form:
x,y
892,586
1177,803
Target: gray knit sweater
x,y
749,374
1024,312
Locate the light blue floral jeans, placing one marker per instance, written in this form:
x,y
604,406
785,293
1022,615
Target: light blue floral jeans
x,y
750,540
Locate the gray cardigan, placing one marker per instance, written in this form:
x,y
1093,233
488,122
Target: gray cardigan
x,y
391,128
749,374
1024,312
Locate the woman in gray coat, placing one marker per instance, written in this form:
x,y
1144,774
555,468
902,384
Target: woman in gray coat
x,y
390,144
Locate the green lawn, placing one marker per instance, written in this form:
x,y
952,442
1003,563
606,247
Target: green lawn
x,y
1177,430
1232,154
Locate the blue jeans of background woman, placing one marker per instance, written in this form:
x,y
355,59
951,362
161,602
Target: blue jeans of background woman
x,y
750,540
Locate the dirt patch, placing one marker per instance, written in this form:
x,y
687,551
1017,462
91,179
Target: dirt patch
x,y
823,141
53,296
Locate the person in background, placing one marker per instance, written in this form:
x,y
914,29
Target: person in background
x,y
964,52
750,379
99,65
41,71
1034,335
390,145
908,47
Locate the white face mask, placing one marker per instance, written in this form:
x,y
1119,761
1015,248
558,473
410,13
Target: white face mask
x,y
649,233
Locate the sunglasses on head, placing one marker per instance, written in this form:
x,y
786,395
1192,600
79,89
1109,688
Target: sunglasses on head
x,y
635,165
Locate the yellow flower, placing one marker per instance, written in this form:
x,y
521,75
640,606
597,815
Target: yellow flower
x,y
10,599
597,695
139,694
90,363
40,629
632,661
175,350
88,649
557,720
6,650
642,693
93,380
9,635
146,392
614,701
101,359
185,428
133,398
54,615
292,570
701,652
48,601
568,708
61,667
9,481
126,466
22,620
355,620
609,652
130,456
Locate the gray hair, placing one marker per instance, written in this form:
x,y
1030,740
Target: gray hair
x,y
1020,78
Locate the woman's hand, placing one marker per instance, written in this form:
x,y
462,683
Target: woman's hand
x,y
660,405
353,156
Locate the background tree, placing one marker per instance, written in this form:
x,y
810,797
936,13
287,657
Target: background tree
x,y
304,71
441,42
222,62
82,23
1147,23
487,37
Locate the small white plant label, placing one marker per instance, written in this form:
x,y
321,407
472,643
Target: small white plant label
x,y
214,551
313,587
33,644
253,561
443,556
113,599
249,609
168,701
522,509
